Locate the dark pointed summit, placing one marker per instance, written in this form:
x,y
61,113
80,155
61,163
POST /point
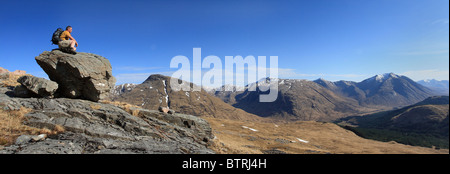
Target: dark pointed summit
x,y
154,77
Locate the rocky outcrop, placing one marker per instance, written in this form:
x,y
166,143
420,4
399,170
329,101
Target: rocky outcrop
x,y
3,70
81,76
8,78
5,73
18,72
36,86
166,110
99,128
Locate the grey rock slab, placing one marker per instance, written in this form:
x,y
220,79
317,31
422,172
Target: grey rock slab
x,y
39,86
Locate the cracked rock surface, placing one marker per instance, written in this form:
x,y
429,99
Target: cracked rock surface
x,y
98,128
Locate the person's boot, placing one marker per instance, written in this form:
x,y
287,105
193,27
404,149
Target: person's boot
x,y
68,50
71,51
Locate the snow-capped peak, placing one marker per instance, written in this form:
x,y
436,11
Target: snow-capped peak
x,y
382,77
268,80
229,87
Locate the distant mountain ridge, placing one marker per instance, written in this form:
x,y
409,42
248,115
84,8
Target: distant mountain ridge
x,y
440,86
318,100
386,89
120,89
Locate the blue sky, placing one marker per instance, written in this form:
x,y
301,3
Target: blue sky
x,y
330,39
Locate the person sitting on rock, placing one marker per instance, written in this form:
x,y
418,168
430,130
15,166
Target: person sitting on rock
x,y
67,41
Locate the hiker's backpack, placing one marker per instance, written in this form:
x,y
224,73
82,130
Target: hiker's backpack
x,y
56,34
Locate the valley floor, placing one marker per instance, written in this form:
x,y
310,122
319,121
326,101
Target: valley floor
x,y
302,137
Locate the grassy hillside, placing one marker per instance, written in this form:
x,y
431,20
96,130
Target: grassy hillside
x,y
423,124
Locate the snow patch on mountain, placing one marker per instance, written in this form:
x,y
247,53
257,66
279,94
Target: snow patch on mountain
x,y
385,76
165,92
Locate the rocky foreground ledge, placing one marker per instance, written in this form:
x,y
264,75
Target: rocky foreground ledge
x,y
100,128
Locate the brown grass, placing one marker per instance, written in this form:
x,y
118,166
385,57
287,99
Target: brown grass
x,y
95,106
130,108
11,81
59,129
233,138
11,126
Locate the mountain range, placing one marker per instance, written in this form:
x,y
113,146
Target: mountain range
x,y
388,90
322,100
318,100
384,107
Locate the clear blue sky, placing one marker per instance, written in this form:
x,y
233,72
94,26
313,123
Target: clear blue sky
x,y
332,39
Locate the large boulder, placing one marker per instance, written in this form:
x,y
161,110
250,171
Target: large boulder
x,y
84,75
38,86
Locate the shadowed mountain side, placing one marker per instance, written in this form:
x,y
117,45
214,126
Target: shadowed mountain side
x,y
299,100
425,123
